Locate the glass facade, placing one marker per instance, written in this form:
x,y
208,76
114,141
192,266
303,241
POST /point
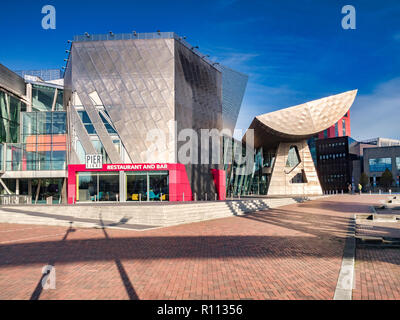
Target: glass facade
x,y
98,186
147,186
44,97
10,110
398,163
44,143
244,179
139,186
1,157
89,125
380,164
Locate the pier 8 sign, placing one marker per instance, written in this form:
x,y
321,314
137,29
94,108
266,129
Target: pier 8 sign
x,y
136,167
94,161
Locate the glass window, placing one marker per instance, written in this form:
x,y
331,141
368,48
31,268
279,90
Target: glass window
x,y
380,164
158,186
136,186
398,163
59,100
29,124
44,125
59,123
58,160
14,157
293,157
344,127
42,98
147,186
87,187
86,122
108,187
10,108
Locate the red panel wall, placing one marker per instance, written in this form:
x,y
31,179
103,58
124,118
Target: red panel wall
x,y
220,183
331,130
179,186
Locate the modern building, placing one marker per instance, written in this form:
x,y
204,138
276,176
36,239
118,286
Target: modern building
x,y
286,165
378,159
92,136
33,139
121,88
335,164
382,142
44,75
342,128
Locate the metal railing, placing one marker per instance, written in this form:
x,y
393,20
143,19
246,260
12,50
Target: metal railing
x,y
13,199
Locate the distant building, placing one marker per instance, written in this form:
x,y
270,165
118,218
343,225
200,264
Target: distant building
x,y
378,159
45,75
382,142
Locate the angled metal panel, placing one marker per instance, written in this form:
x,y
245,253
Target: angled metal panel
x,y
233,88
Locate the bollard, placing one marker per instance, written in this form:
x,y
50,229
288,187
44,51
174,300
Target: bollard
x,y
183,196
140,197
342,192
73,199
380,192
370,192
215,197
116,196
390,191
206,196
195,197
161,196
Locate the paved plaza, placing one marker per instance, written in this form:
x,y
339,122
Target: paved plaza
x,y
291,252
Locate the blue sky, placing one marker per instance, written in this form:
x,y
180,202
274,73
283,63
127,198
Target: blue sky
x,y
293,51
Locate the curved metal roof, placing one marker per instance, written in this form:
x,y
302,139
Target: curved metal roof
x,y
302,121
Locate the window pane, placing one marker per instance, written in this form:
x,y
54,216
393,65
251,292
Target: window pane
x,y
42,98
136,187
158,186
87,187
59,123
380,164
293,157
108,187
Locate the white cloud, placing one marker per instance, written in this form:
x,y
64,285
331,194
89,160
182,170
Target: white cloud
x,y
377,114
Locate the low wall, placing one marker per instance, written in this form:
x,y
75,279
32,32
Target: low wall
x,y
142,214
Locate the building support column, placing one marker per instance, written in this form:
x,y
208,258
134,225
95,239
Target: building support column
x,y
64,192
122,189
37,192
17,186
4,186
29,187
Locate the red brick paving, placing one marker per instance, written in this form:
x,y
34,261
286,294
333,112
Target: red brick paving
x,y
378,229
377,274
292,252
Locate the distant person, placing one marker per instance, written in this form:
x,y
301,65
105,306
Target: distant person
x,y
350,188
360,188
